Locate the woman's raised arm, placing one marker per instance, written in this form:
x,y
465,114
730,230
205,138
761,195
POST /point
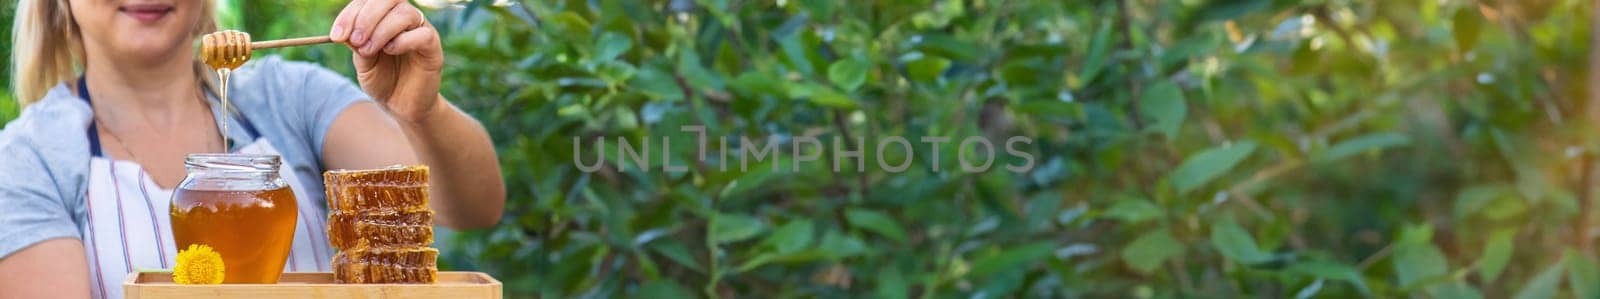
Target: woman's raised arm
x,y
399,62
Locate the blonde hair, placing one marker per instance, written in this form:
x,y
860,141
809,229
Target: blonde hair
x,y
47,47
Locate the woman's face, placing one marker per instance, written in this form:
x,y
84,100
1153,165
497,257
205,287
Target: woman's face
x,y
137,29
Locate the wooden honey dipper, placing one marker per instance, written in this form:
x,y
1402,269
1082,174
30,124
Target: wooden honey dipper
x,y
231,48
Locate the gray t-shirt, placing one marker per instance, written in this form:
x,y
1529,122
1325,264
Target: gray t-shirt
x,y
45,152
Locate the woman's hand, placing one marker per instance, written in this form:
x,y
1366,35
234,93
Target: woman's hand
x,y
397,55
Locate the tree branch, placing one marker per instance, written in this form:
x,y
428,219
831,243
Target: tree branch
x,y
844,131
1581,226
1586,196
1123,21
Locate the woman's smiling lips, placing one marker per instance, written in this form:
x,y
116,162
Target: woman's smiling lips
x,y
146,13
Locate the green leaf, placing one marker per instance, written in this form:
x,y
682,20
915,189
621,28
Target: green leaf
x,y
794,48
1205,166
1582,275
792,237
956,47
1134,210
757,84
1467,22
1233,242
1150,250
1455,289
1543,285
615,71
822,96
848,74
1519,152
1416,234
1013,259
1002,284
1362,144
928,69
698,76
876,222
1164,103
8,107
733,228
677,253
571,268
891,284
1334,271
665,289
757,261
1096,60
1416,262
1309,291
1221,10
1505,208
1051,108
656,84
1495,254
748,181
832,99
611,44
1424,266
1473,199
837,245
804,256
572,23
1420,265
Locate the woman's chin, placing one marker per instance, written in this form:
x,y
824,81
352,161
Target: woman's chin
x,y
150,53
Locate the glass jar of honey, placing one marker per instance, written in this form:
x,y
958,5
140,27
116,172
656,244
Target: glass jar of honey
x,y
239,206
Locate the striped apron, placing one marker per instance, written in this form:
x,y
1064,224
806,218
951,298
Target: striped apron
x,y
129,225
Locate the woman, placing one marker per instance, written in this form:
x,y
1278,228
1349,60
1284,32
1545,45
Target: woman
x,y
116,100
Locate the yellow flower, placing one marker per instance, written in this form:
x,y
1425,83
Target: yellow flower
x,y
198,265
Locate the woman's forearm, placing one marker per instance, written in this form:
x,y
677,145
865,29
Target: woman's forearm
x,y
54,268
468,191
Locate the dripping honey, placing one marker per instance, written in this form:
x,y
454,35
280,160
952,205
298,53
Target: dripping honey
x,y
222,78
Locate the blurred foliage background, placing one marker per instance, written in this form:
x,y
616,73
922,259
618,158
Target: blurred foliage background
x,y
1182,148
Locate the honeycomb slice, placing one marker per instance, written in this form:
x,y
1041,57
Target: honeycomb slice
x,y
400,189
393,175
387,265
347,230
378,198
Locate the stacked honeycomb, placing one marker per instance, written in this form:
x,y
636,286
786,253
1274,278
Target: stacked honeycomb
x,y
381,224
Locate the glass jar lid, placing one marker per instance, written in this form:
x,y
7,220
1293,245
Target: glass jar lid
x,y
249,163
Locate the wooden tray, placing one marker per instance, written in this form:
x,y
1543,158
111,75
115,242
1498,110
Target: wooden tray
x,y
463,285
